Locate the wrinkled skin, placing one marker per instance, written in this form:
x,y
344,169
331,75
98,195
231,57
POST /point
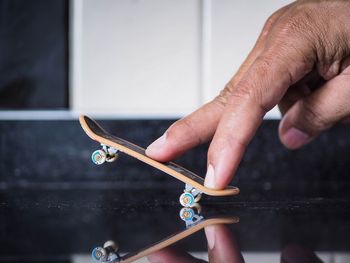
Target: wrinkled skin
x,y
300,62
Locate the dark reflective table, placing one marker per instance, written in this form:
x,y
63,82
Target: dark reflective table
x,y
64,224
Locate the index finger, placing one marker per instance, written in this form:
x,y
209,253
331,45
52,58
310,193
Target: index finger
x,y
263,85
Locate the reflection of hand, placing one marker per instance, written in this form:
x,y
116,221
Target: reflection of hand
x,y
301,62
298,254
221,248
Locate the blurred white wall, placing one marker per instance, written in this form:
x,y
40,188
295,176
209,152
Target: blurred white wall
x,y
159,58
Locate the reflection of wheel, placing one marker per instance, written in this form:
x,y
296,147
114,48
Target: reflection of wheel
x,y
112,158
186,214
98,157
99,254
187,199
111,245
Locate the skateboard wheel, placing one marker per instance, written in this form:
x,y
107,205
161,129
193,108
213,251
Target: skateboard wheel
x,y
98,157
187,199
186,214
99,254
112,158
111,245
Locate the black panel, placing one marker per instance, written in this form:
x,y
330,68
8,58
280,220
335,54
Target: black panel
x,y
55,152
33,54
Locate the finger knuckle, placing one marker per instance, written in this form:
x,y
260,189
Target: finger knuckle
x,y
257,96
301,21
255,88
230,90
243,92
271,20
292,26
186,126
221,99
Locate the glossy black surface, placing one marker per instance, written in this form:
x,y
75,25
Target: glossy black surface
x,y
33,54
59,152
52,224
55,203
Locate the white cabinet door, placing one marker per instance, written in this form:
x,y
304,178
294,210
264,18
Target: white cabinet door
x,y
149,58
135,57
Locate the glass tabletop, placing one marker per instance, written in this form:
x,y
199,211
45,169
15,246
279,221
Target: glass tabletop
x,y
65,225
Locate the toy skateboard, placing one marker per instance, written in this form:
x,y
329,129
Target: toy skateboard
x,y
111,145
109,252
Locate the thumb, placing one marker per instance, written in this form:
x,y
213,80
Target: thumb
x,y
311,115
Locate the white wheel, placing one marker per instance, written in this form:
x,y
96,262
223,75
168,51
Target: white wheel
x,y
112,158
98,157
187,199
111,244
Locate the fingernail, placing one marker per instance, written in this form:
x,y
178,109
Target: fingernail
x,y
210,234
294,138
157,144
210,177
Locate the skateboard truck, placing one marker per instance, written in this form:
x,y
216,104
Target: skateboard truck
x,y
108,253
190,197
191,215
106,154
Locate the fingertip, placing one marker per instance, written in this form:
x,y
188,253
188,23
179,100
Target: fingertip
x,y
210,181
156,150
223,159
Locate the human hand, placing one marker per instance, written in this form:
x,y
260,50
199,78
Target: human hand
x,y
222,247
300,62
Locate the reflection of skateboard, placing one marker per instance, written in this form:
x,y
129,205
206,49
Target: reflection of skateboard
x,y
109,253
109,152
